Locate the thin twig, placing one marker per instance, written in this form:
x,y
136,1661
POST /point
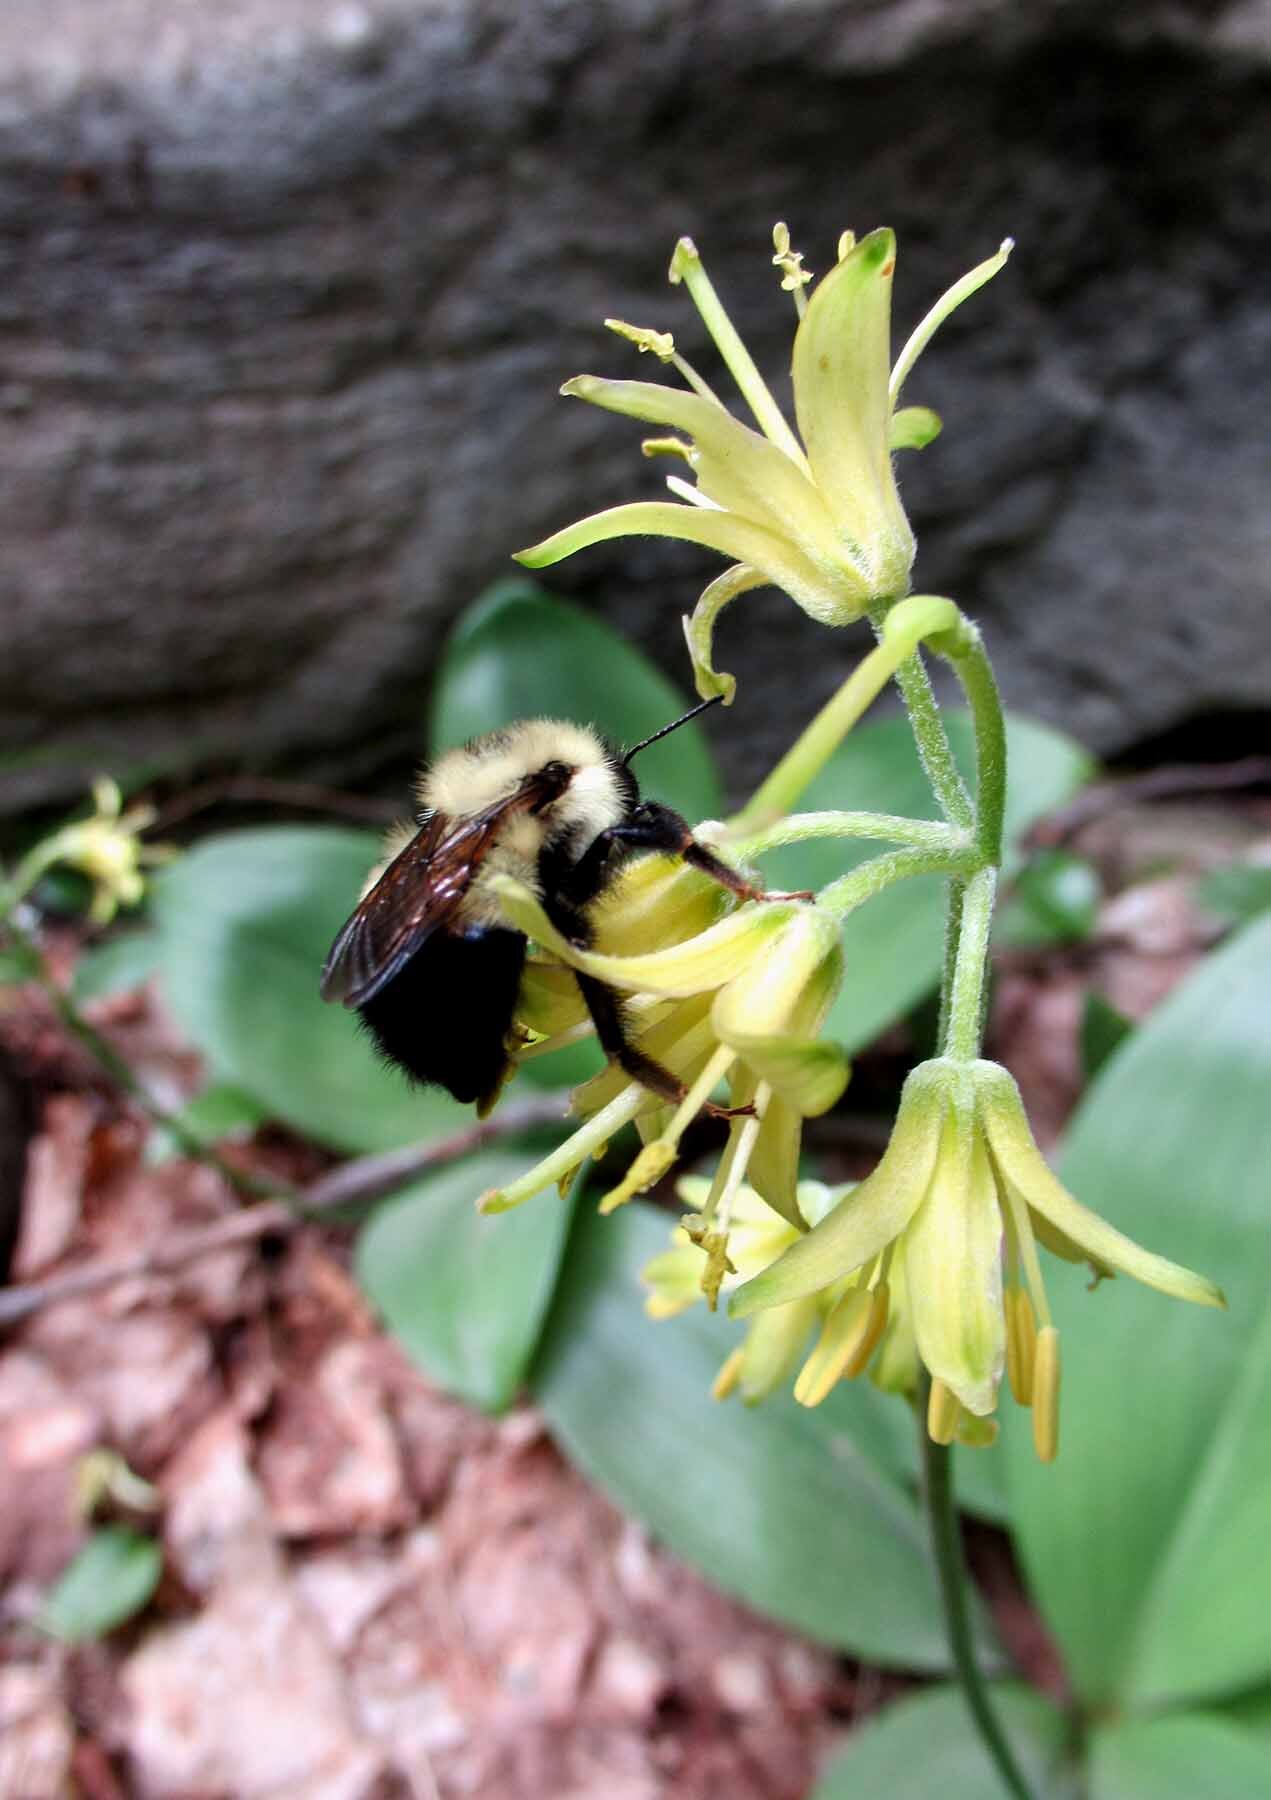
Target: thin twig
x,y
358,1182
258,790
1154,784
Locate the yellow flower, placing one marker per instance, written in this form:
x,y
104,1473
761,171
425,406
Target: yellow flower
x,y
816,514
956,1208
106,847
776,1339
739,1001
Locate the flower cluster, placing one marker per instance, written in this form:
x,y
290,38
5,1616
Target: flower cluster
x,y
106,847
735,1003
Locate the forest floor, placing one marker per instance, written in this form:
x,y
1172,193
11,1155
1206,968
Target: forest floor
x,y
368,1590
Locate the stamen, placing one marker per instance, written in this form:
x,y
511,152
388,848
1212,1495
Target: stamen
x,y
686,266
943,1409
645,339
693,495
794,276
875,1325
1020,1337
846,245
846,1325
1046,1395
725,1383
667,446
662,345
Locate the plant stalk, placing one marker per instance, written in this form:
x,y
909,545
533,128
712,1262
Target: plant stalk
x,y
946,1544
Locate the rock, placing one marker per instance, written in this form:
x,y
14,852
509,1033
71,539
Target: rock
x,y
289,291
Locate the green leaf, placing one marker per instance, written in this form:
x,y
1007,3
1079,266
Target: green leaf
x,y
1103,1031
927,1745
219,1112
1055,900
1146,1540
465,1295
108,1581
245,921
1180,1757
895,943
518,653
1239,892
116,967
799,1512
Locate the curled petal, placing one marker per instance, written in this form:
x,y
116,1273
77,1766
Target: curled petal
x,y
832,600
1025,1168
699,630
773,990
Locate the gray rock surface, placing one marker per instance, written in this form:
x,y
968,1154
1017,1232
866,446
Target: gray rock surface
x,y
287,289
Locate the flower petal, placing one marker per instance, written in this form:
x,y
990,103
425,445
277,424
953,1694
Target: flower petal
x,y
1023,1165
704,961
868,1218
773,1170
772,990
774,1344
914,427
810,1073
783,563
841,367
736,467
699,630
953,1270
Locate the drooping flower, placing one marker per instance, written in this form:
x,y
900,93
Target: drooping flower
x,y
957,1207
815,513
737,1003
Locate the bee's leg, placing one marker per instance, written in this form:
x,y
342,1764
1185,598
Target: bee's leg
x,y
655,827
605,1008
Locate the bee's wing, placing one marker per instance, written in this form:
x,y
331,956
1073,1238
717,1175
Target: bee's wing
x,y
416,893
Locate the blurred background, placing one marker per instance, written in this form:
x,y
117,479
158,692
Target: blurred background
x,y
396,1503
289,289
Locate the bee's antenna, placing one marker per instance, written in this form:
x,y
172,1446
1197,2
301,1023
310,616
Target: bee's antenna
x,y
673,726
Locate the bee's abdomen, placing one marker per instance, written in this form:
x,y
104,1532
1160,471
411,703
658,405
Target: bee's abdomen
x,y
444,1018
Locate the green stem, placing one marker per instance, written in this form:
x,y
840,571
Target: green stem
x,y
888,828
934,749
964,650
850,891
900,631
937,1484
968,988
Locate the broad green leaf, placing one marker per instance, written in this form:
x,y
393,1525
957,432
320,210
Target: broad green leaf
x,y
1054,900
927,1746
116,967
245,921
521,654
895,943
219,1112
108,1581
1103,1031
465,1295
1183,1756
797,1511
1239,892
1146,1540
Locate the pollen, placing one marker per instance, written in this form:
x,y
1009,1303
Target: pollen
x,y
1046,1395
943,1411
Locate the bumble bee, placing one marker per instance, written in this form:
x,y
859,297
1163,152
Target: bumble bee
x,y
427,959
